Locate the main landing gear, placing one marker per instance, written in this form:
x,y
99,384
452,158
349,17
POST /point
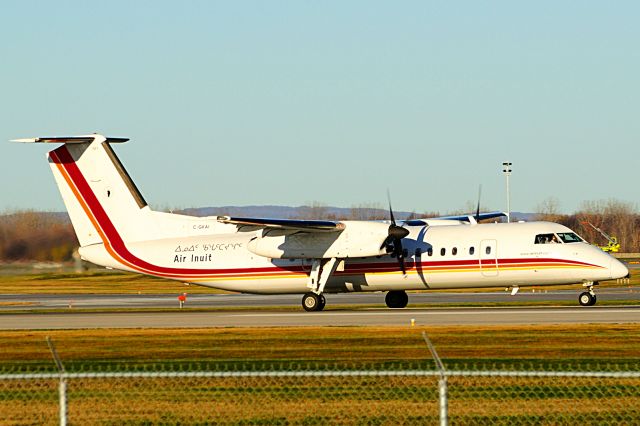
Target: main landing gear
x,y
396,299
313,302
588,298
321,270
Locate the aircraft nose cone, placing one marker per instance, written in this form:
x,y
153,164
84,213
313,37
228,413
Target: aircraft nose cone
x,y
618,269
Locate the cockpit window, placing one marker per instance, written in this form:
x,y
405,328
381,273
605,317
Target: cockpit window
x,y
569,237
547,239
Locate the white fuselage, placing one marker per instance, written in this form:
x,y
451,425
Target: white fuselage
x,y
438,257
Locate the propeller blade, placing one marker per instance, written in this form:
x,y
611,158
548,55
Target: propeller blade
x,y
387,241
396,234
395,231
478,208
400,256
393,220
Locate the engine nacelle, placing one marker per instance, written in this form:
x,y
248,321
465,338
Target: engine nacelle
x,y
358,239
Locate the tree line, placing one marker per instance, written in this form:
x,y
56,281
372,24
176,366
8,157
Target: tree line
x,y
31,235
615,218
44,236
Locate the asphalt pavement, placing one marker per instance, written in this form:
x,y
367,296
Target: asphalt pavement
x,y
9,302
236,310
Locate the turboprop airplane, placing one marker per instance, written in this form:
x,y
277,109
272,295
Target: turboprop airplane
x,y
117,229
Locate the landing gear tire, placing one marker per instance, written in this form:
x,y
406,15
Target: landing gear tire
x,y
313,302
587,299
323,302
396,299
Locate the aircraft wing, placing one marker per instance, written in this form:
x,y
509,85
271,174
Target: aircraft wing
x,y
293,224
464,218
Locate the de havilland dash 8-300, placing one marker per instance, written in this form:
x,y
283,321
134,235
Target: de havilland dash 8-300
x,y
117,229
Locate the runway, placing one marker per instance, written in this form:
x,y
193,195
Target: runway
x,y
238,310
9,302
373,317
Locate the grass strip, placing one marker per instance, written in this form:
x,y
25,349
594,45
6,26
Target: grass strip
x,y
596,346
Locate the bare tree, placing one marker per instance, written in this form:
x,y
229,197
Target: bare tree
x,y
314,210
614,217
549,209
368,211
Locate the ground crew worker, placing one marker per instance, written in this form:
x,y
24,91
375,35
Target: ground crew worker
x,y
182,298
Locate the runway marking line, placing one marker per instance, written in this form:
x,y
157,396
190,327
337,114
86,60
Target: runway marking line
x,y
482,312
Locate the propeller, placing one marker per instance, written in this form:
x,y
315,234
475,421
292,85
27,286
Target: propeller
x,y
478,207
393,242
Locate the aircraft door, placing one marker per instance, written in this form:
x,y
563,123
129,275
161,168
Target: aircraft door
x,y
489,258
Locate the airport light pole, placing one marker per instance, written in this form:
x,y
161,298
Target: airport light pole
x,y
506,169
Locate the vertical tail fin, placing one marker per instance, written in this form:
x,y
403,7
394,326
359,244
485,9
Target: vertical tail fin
x,y
97,191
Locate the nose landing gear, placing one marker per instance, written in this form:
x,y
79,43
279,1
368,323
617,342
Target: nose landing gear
x,y
588,298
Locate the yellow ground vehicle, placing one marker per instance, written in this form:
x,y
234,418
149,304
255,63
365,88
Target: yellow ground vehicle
x,y
613,246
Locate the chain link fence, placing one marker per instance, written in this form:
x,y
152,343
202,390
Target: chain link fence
x,y
235,392
313,397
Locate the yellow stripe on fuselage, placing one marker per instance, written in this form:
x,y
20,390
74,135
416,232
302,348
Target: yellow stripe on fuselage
x,y
386,273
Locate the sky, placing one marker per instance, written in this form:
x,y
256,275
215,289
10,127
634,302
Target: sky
x,y
334,102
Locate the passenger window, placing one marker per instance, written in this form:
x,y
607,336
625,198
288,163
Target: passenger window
x,y
472,250
488,250
443,251
454,251
430,251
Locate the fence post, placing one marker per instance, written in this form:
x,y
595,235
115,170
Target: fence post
x,y
62,388
63,401
442,383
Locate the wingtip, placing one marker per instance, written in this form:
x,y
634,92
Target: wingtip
x,y
26,140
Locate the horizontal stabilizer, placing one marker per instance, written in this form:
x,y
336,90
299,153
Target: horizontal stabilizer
x,y
70,139
301,225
